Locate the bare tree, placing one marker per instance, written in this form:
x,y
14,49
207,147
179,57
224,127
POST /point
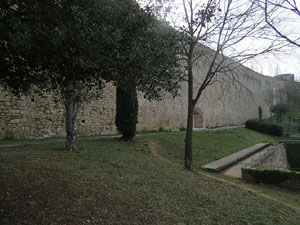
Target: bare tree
x,y
291,91
229,28
287,8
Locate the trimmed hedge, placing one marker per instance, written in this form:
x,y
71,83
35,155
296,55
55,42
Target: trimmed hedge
x,y
293,155
264,127
271,176
253,124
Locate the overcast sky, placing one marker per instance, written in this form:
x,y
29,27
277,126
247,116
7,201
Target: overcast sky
x,y
273,64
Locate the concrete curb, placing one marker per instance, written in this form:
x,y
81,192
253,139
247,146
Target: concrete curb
x,y
227,161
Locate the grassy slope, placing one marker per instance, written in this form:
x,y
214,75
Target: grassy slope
x,y
110,182
210,146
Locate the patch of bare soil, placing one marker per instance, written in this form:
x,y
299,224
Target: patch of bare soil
x,y
154,147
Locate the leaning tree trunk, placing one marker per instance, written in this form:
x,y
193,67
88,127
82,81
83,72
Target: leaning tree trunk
x,y
71,114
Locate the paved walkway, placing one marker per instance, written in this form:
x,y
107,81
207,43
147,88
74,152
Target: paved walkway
x,y
218,128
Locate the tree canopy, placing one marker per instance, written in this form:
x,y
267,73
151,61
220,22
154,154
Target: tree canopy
x,y
73,47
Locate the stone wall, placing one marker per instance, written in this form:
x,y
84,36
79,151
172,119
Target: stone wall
x,y
39,117
275,157
227,104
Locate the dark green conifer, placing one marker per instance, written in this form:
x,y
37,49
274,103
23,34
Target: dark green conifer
x,y
127,111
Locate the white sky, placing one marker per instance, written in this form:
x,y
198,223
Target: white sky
x,y
273,64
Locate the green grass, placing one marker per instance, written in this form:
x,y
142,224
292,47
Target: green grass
x,y
210,146
112,182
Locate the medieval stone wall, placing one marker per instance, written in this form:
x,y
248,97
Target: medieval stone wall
x,y
226,104
274,157
39,117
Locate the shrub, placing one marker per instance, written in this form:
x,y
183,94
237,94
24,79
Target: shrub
x,y
264,127
272,129
253,124
293,155
280,109
260,112
271,176
161,129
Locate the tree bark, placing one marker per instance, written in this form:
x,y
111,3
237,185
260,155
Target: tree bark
x,y
71,115
188,156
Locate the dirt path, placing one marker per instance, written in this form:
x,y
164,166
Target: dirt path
x,y
154,150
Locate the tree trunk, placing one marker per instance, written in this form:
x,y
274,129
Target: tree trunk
x,y
188,156
71,114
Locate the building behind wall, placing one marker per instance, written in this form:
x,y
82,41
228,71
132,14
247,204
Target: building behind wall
x,y
285,77
226,104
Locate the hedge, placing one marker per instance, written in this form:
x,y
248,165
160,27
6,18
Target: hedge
x,y
270,176
264,127
293,155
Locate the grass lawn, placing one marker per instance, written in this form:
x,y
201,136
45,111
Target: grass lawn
x,y
209,146
112,182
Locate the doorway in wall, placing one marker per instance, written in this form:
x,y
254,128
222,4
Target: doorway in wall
x,y
198,118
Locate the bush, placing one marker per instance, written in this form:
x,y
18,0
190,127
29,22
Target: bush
x,y
264,127
280,108
272,129
293,155
260,112
271,176
253,124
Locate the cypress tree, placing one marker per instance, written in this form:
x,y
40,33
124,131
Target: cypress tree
x,y
127,111
260,112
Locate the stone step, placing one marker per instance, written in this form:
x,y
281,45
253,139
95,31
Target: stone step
x,y
223,163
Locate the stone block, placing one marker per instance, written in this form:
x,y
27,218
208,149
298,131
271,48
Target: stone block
x,y
23,120
4,99
14,121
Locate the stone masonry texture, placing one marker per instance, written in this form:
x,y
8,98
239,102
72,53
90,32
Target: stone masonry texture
x,y
228,104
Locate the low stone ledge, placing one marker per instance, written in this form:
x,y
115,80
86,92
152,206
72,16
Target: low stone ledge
x,y
274,157
227,161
